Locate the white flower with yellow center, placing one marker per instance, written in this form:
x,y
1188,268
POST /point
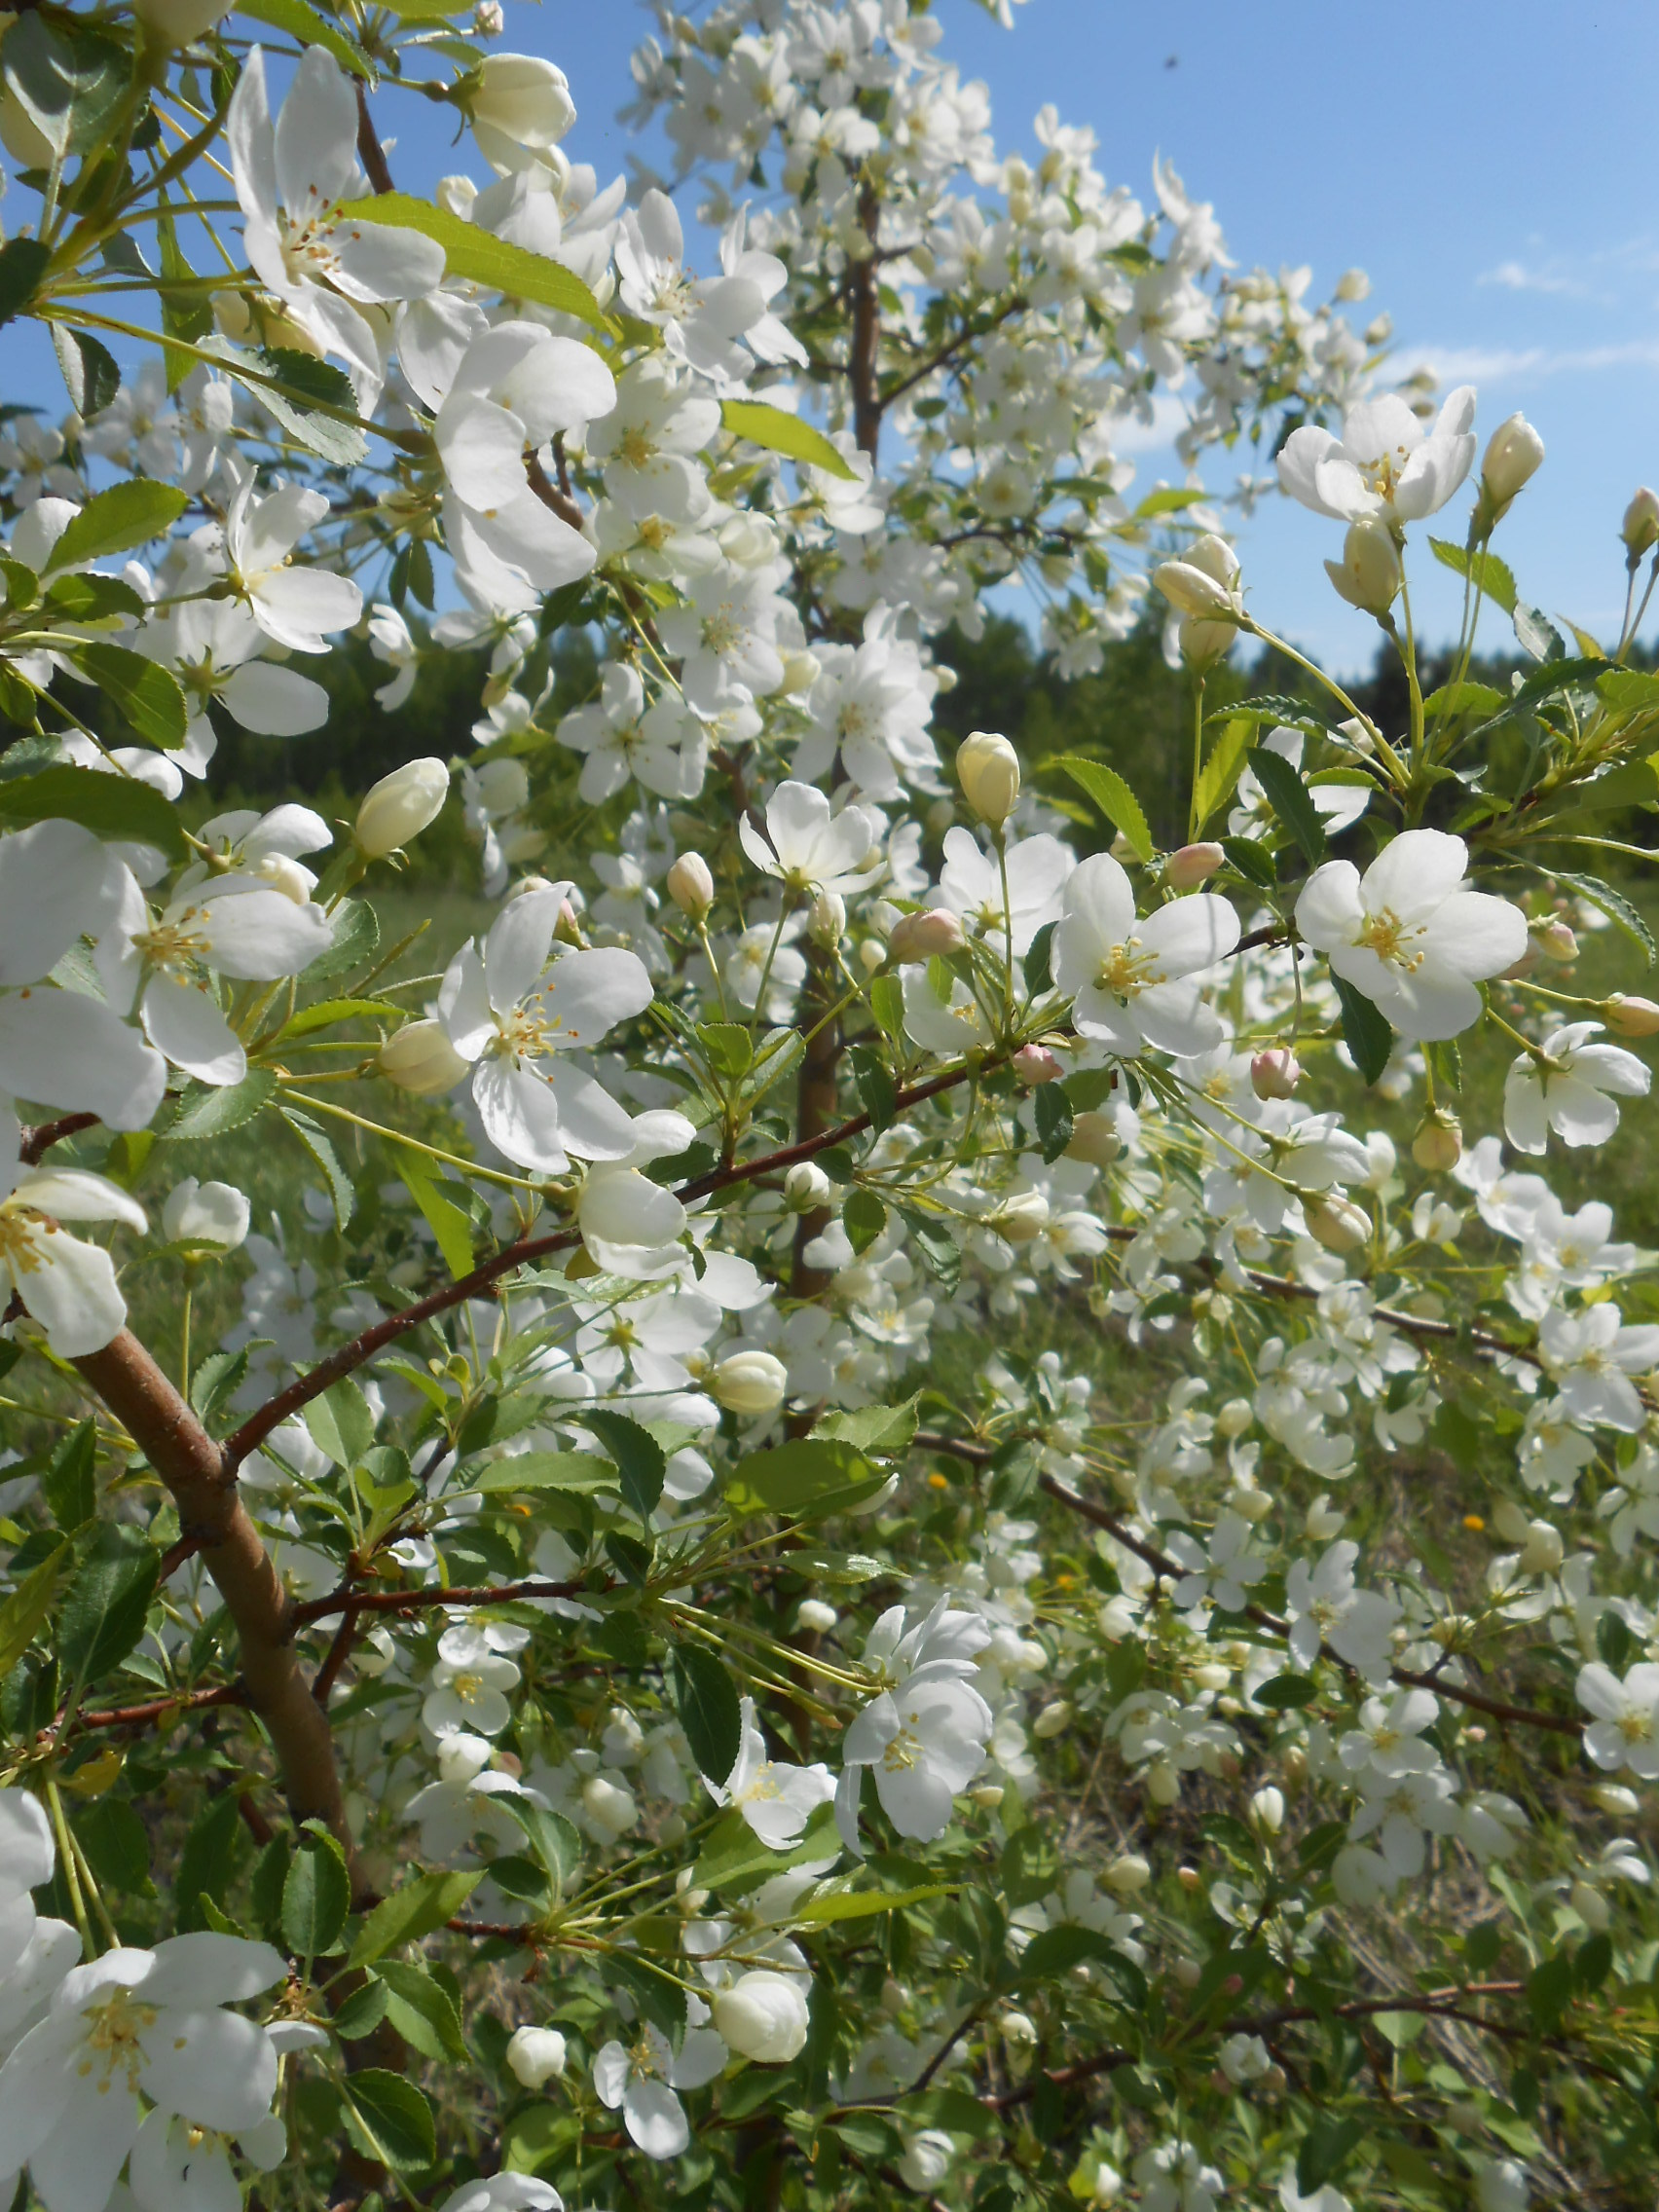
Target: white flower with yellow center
x,y
775,1798
1131,980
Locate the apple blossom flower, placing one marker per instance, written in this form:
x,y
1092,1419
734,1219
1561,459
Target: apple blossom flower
x,y
67,1286
466,1689
1591,1356
1574,1090
1408,935
776,1797
924,1736
1130,980
294,603
206,1213
1383,463
1624,1723
807,847
643,2077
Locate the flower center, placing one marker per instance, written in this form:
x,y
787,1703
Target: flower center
x,y
1386,935
113,2037
1127,969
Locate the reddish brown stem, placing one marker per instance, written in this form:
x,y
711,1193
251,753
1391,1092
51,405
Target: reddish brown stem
x,y
157,1710
370,152
351,1603
863,286
44,1135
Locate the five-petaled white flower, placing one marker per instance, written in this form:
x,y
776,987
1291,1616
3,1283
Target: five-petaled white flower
x,y
1383,463
923,1736
1592,1356
776,1797
807,847
1624,1725
1409,935
1132,981
1574,1089
467,1692
643,2077
68,1287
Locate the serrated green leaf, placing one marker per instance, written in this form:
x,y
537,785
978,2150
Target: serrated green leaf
x,y
641,1460
104,1607
341,1423
1616,907
706,1699
807,1475
118,521
217,1112
386,2117
149,695
307,27
422,2009
1112,795
581,1472
68,1484
1366,1030
451,1227
1220,772
316,1141
1491,575
411,1912
24,1614
555,1840
1051,1110
316,1894
823,1910
782,432
1287,796
110,806
479,258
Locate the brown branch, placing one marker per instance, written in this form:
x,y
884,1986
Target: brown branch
x,y
203,1484
44,1135
162,1710
351,1603
348,1357
549,493
863,352
370,152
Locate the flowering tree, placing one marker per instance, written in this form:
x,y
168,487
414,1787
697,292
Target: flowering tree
x,y
854,1530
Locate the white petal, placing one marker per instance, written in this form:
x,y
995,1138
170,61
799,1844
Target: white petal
x,y
519,1116
58,1048
656,2118
275,702
69,1288
56,883
181,1020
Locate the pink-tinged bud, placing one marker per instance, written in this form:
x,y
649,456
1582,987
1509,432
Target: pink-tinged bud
x,y
1640,529
1438,1144
1192,866
1034,1064
1275,1073
1094,1139
1335,1222
1557,942
691,885
1630,1016
568,929
929,936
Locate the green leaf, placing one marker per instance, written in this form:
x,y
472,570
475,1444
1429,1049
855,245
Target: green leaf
x,y
68,1484
553,1838
639,1458
386,2117
1051,1110
90,374
103,1611
341,1423
22,265
1616,907
1112,795
65,78
872,1429
863,1217
579,1471
782,432
1030,1866
1324,2150
110,806
308,382
217,1112
92,598
422,2009
887,1002
328,1011
307,27
1052,1955
825,1908
1287,1694
1037,964
117,1844
872,1079
1254,862
1287,794
149,695
808,1476
451,1227
415,1911
479,258
729,1047
705,1700
1454,699
22,1614
1536,634
1366,1030
316,1894
316,1141
357,937
1486,571
1220,772
207,1862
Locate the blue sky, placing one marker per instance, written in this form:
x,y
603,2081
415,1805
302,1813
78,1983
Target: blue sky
x,y
1487,165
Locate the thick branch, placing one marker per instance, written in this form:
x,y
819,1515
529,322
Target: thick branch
x,y
39,1140
351,1603
863,350
562,504
204,1486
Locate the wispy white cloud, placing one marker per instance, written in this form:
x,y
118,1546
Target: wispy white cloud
x,y
1516,276
1493,364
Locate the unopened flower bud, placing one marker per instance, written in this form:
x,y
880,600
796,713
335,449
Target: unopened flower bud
x,y
1514,454
763,2015
987,767
1438,1144
286,876
1589,1904
932,934
1266,1811
1022,1218
806,1187
1557,941
1630,1016
1617,1799
400,806
421,1059
1335,1221
1192,866
1640,529
1190,1880
815,1616
1127,1874
1234,1418
1368,575
518,100
206,1213
691,885
1543,1551
1191,590
180,23
1033,1064
749,1383
826,920
536,2055
1093,1139
568,929
1275,1073
1053,1719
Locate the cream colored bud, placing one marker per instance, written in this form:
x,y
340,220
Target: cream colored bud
x,y
802,671
1630,1016
1053,1719
1275,1073
690,884
523,98
1234,1418
987,767
1164,1783
1093,1138
400,806
421,1059
1266,1811
206,1213
1368,575
749,1383
1334,1220
536,2055
988,1796
1127,1874
806,1187
1438,1144
1187,1972
763,2015
1022,1218
1617,1799
1557,941
1190,1880
815,1616
1514,454
1251,1504
1589,1904
931,934
1352,286
1543,1551
1192,591
1640,529
180,23
826,920
1192,866
1034,1064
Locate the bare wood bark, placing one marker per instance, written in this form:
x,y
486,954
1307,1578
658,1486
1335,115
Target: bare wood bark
x,y
204,1486
863,350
